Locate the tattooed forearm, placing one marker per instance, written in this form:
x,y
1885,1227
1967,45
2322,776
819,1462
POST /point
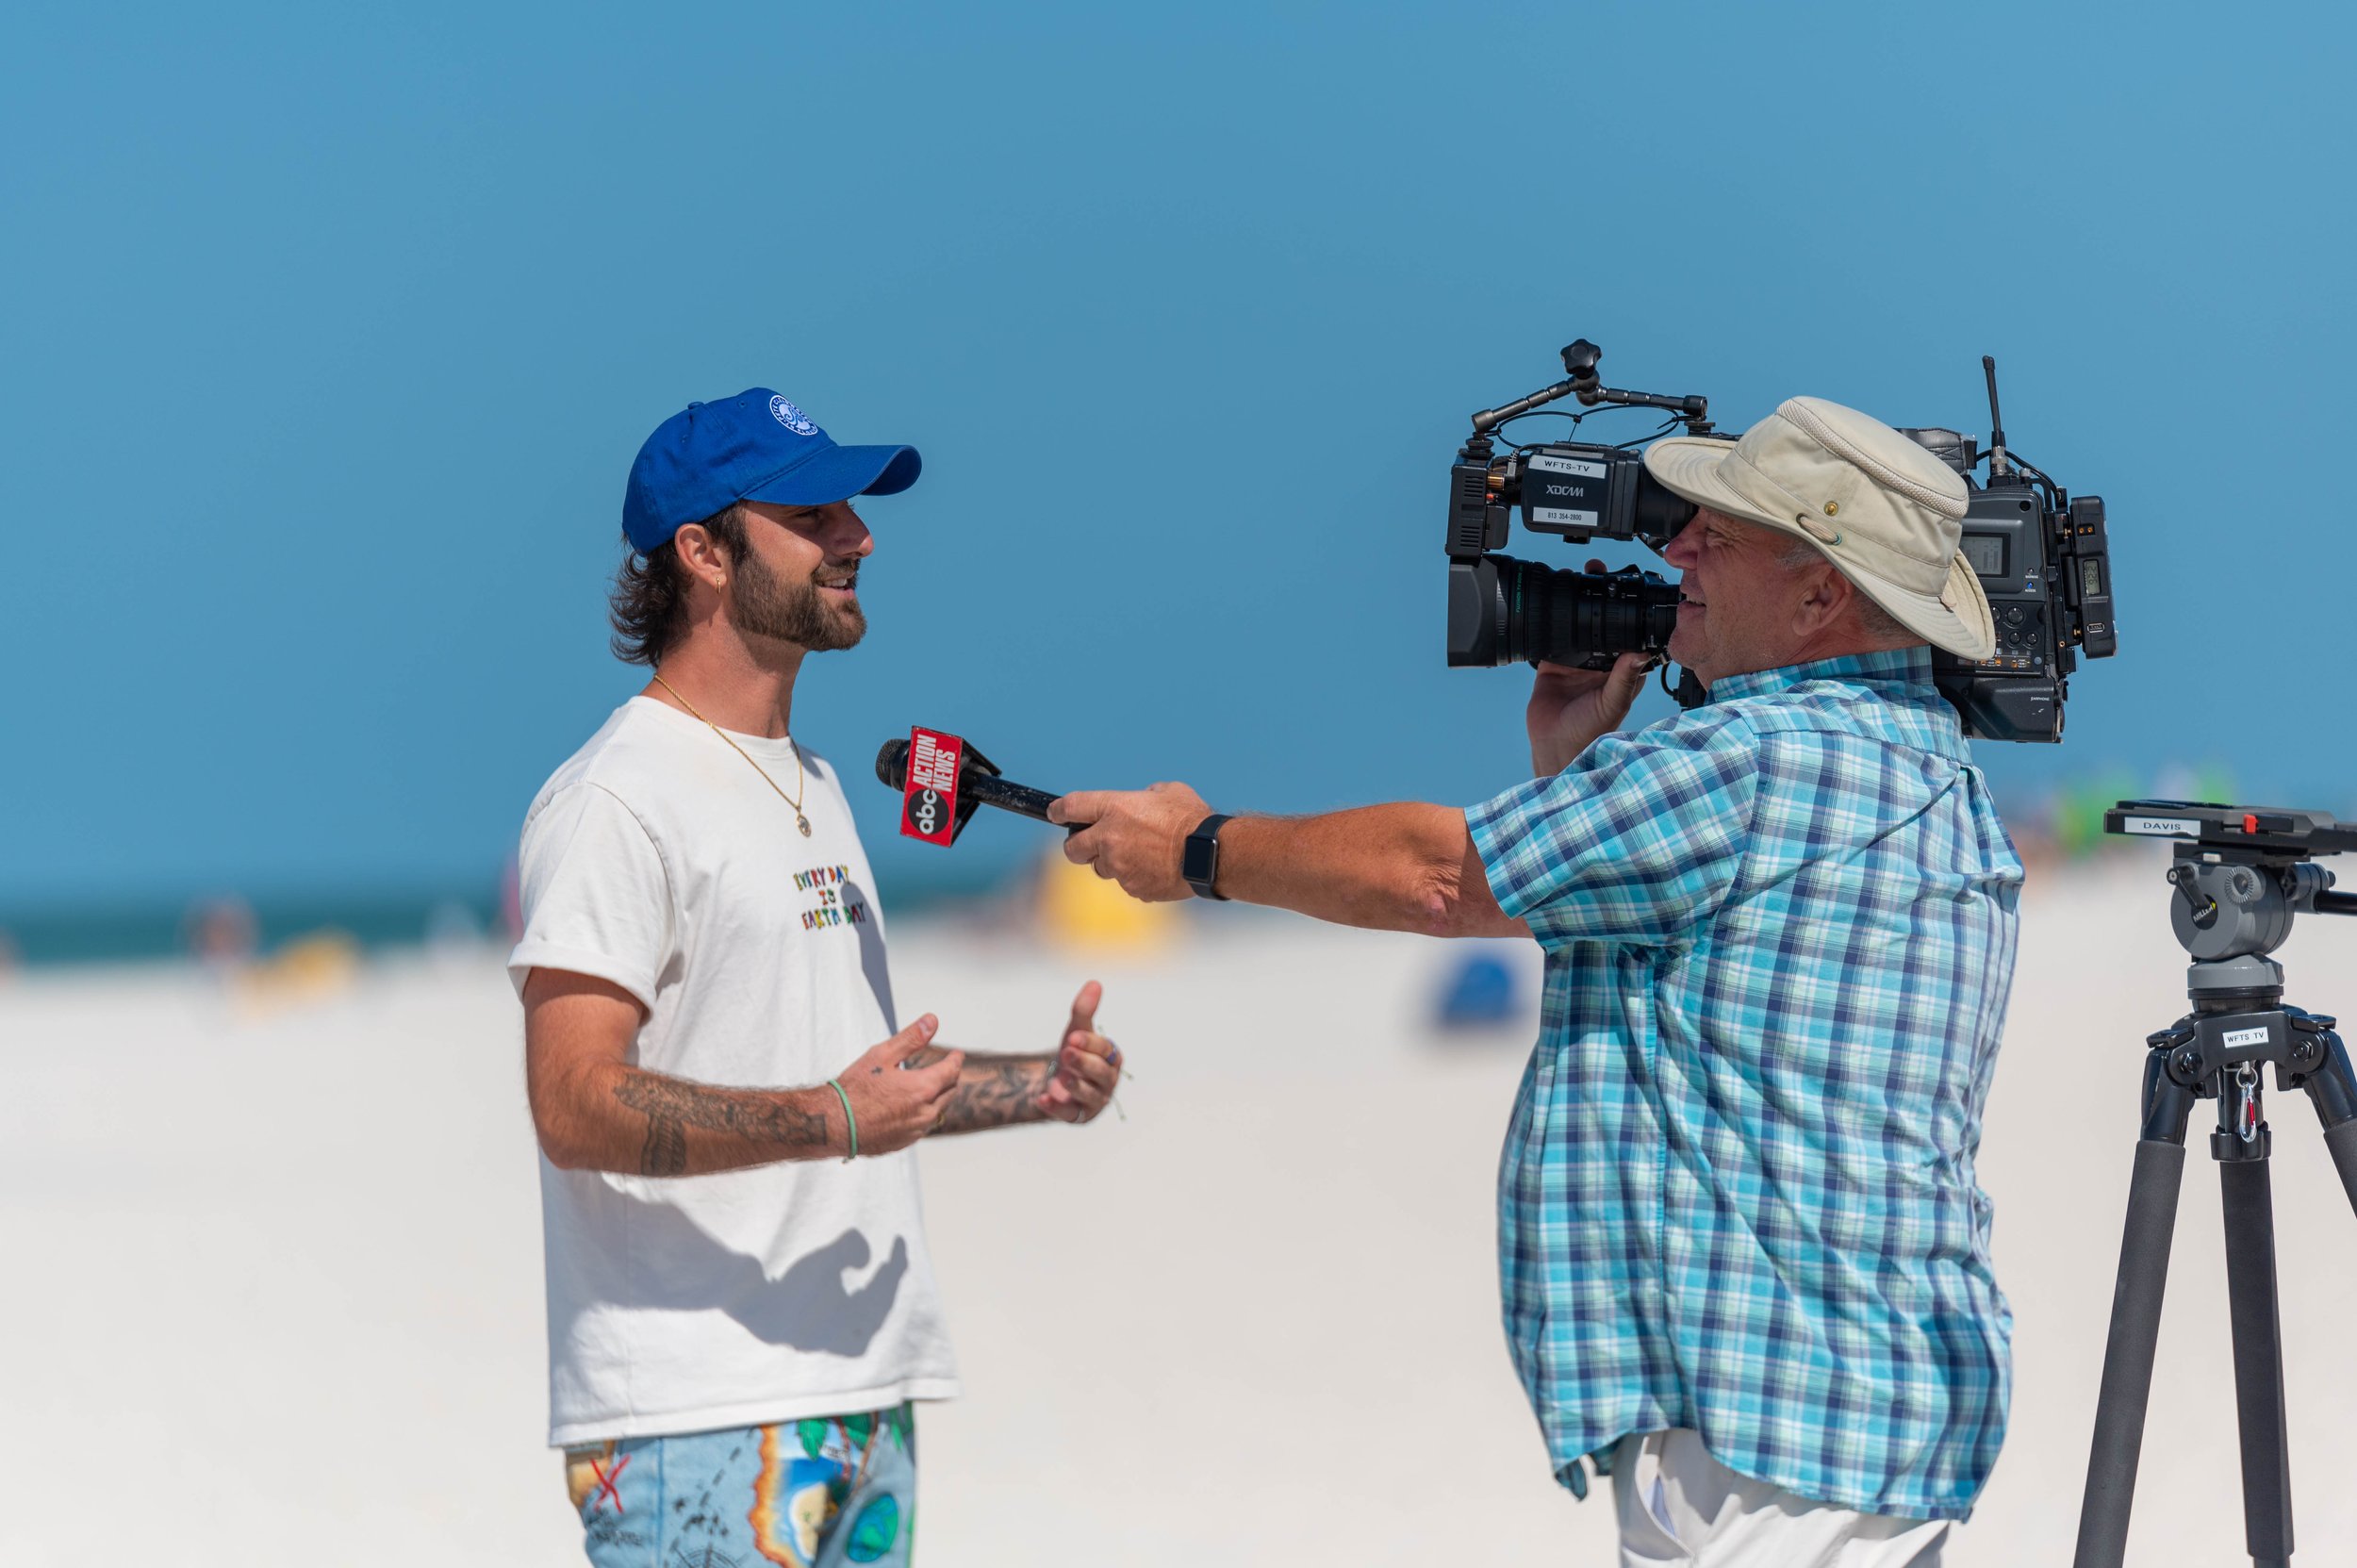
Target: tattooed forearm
x,y
997,1092
672,1106
993,1091
666,1151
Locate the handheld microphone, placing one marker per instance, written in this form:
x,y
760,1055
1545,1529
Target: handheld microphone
x,y
955,778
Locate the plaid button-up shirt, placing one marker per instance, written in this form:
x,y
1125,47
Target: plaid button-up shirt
x,y
1738,1191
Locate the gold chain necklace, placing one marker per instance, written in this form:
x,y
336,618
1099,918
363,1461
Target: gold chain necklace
x,y
801,786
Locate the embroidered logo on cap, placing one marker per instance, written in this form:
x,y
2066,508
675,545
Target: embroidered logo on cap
x,y
792,418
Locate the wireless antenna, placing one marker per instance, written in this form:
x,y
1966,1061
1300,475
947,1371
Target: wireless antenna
x,y
1997,466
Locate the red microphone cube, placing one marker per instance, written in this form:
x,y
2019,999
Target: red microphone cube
x,y
929,800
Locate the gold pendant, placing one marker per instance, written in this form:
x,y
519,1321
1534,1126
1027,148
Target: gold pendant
x,y
802,823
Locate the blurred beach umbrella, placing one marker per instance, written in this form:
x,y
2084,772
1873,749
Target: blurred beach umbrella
x,y
1477,991
1079,908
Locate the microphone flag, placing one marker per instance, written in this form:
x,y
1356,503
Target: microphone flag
x,y
929,800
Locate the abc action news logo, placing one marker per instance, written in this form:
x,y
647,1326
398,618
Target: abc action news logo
x,y
929,800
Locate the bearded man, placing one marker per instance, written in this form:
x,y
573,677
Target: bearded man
x,y
725,1099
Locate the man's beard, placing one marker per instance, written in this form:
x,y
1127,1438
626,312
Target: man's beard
x,y
766,606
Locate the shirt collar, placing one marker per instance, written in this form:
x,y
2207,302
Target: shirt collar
x,y
1890,666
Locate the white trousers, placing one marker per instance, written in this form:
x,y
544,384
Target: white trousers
x,y
1678,1504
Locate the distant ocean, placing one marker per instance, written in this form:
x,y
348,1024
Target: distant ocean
x,y
133,930
130,930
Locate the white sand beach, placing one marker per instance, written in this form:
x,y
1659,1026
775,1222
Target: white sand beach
x,y
275,1278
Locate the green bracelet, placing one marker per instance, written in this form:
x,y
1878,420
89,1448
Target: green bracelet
x,y
848,1119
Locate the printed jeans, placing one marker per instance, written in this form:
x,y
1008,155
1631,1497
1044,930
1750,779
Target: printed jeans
x,y
813,1493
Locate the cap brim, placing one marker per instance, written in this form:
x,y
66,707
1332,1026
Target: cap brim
x,y
1688,465
838,474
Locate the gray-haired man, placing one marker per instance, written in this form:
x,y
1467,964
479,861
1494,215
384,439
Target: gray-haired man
x,y
1744,1258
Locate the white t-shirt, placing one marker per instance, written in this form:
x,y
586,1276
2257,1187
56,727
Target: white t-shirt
x,y
658,860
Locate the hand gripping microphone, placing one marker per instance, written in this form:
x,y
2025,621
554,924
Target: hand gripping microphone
x,y
944,779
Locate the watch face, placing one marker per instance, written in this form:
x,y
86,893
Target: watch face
x,y
1199,863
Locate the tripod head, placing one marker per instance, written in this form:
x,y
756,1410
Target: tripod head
x,y
2241,873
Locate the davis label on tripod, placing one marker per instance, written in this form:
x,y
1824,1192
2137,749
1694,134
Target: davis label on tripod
x,y
2161,827
2239,874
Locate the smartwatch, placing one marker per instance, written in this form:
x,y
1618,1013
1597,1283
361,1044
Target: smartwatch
x,y
1199,863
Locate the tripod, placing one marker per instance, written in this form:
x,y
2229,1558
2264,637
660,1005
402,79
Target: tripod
x,y
2238,883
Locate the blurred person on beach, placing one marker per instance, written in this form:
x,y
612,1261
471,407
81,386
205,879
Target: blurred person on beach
x,y
1743,1255
741,1306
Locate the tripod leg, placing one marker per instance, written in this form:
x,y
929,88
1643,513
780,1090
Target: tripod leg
x,y
2341,1142
2135,1329
2266,1478
2333,1087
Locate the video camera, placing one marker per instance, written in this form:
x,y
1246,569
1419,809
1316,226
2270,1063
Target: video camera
x,y
2041,556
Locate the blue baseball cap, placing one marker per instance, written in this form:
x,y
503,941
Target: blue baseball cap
x,y
755,446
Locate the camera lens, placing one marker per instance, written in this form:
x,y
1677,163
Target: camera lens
x,y
1505,611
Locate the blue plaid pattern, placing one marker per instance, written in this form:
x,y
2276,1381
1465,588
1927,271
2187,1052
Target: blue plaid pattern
x,y
1737,1192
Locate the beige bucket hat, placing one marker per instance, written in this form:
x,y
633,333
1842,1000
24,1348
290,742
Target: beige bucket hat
x,y
1884,511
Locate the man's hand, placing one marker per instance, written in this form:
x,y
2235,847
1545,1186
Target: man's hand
x,y
896,1106
1571,708
1088,1066
1071,1083
1135,837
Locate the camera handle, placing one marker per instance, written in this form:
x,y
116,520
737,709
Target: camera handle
x,y
2234,911
1579,359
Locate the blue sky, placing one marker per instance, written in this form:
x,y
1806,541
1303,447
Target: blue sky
x,y
327,335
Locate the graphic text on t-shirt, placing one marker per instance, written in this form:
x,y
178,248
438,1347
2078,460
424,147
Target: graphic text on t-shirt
x,y
839,903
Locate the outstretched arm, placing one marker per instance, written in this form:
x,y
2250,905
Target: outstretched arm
x,y
1071,1083
1406,867
593,1111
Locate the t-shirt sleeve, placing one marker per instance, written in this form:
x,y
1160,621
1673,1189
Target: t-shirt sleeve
x,y
597,899
1636,841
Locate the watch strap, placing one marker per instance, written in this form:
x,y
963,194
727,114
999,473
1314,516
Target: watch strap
x,y
1199,862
